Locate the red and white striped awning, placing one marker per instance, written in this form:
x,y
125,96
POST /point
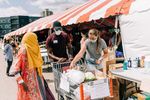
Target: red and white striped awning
x,y
91,10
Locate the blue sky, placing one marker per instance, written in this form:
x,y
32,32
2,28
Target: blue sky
x,y
34,7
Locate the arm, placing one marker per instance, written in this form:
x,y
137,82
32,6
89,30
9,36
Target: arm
x,y
18,65
69,46
50,54
18,68
105,51
70,50
5,49
49,48
78,56
102,57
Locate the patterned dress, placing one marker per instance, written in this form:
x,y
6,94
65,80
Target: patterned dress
x,y
30,77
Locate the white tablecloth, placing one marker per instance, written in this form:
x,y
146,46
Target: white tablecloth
x,y
138,75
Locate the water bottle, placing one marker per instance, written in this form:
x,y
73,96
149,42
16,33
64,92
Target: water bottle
x,y
135,63
125,64
129,63
138,62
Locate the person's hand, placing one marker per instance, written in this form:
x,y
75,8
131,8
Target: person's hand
x,y
25,87
72,65
64,59
61,60
99,61
70,59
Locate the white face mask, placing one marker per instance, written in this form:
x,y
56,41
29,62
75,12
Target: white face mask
x,y
58,32
93,41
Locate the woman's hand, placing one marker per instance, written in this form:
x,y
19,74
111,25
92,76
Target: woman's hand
x,y
72,65
98,61
25,87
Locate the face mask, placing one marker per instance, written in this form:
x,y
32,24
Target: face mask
x,y
58,32
93,41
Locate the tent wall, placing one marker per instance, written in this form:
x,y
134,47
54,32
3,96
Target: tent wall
x,y
135,30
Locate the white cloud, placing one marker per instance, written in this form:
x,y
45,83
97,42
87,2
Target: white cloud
x,y
56,5
4,1
35,6
12,11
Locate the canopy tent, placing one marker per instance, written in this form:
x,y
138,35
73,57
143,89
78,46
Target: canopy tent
x,y
133,19
135,30
91,10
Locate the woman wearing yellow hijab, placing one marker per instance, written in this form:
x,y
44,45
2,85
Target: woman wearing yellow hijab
x,y
28,70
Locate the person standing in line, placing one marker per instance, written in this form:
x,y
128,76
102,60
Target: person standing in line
x,y
8,52
28,70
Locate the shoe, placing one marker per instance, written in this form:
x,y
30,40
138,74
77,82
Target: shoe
x,y
7,74
10,75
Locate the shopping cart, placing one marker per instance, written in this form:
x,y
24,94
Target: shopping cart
x,y
58,69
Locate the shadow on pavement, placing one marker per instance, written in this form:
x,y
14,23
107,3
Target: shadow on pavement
x,y
49,81
47,70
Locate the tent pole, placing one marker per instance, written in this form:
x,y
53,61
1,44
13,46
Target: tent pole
x,y
116,29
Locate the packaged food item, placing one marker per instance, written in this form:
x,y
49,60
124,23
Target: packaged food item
x,y
99,75
89,76
142,61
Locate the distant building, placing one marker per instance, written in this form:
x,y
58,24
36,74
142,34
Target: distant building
x,y
46,12
8,24
5,26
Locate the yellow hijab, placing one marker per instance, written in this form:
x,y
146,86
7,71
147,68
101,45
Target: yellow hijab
x,y
33,51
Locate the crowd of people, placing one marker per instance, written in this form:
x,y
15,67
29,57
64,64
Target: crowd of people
x,y
60,48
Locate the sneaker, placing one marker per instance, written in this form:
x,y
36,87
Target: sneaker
x,y
10,75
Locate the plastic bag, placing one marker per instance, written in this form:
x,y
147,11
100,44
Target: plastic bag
x,y
76,76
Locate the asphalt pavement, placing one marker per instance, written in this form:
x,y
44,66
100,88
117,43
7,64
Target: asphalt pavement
x,y
8,86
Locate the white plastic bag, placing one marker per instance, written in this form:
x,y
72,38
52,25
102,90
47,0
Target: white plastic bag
x,y
76,76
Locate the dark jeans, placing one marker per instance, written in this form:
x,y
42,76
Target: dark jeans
x,y
9,63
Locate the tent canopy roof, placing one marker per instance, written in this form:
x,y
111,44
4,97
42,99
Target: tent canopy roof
x,y
91,10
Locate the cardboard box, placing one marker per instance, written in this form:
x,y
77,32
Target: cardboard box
x,y
113,67
109,62
142,96
95,89
98,88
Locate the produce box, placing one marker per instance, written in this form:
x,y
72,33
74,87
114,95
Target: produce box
x,y
141,96
96,89
113,67
109,62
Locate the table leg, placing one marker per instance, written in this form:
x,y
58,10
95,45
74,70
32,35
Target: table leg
x,y
122,89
